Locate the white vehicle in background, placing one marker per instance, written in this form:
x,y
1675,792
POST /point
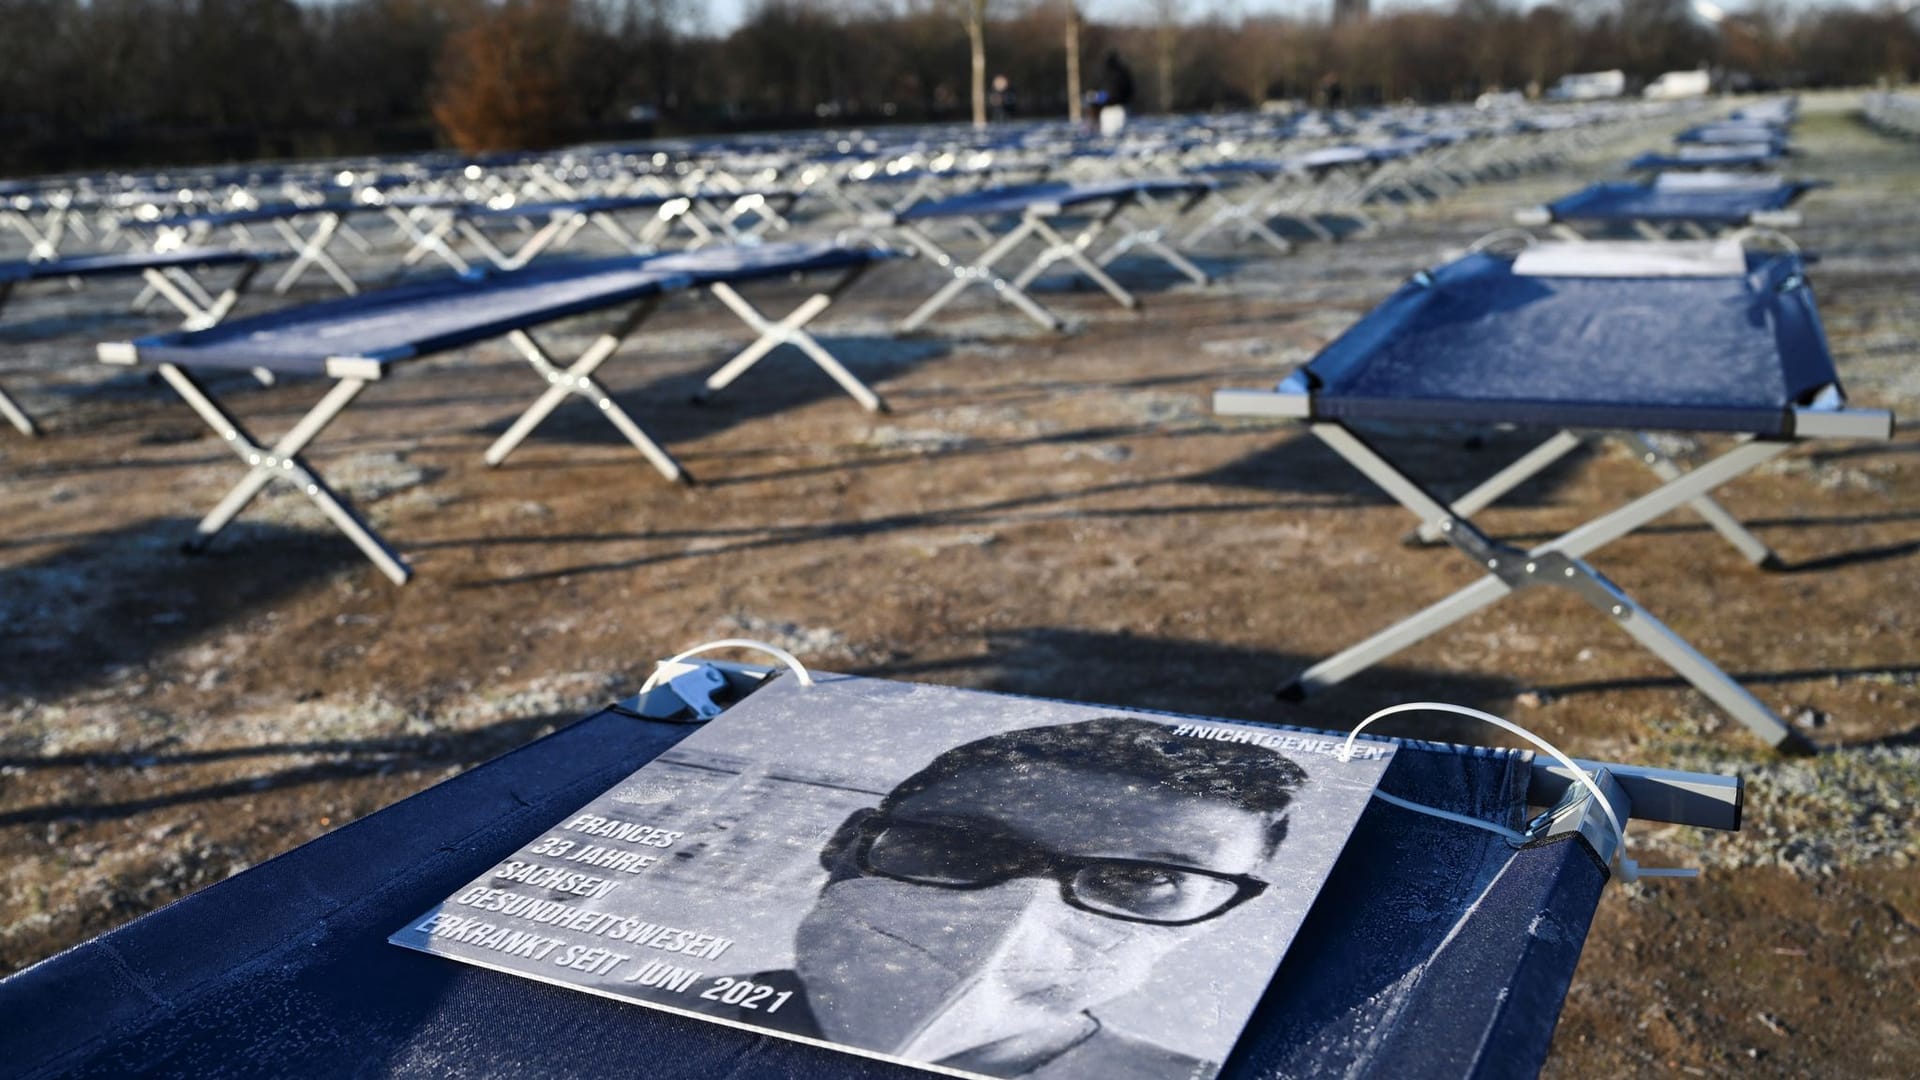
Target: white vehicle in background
x,y
1589,86
1675,85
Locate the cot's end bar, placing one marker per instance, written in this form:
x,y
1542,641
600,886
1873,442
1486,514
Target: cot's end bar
x,y
1835,423
1703,800
1283,402
118,352
1533,216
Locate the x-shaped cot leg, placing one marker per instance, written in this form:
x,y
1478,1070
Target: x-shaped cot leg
x,y
282,462
1151,237
578,379
980,271
9,408
311,250
1075,251
525,253
1245,216
431,240
1535,461
1558,562
788,331
682,211
16,415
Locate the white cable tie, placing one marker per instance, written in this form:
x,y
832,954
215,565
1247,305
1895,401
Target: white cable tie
x,y
1628,869
1514,835
793,664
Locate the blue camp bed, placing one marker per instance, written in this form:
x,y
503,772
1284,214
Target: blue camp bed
x,y
169,274
709,216
1740,156
309,249
1282,187
360,339
1732,133
1614,337
1036,208
1687,204
1436,948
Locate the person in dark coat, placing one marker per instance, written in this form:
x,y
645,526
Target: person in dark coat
x,y
1116,95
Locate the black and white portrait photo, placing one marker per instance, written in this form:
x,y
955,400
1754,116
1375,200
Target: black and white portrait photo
x,y
975,884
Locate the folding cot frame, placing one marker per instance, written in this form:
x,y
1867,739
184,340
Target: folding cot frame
x,y
59,215
1561,561
1036,208
1705,225
309,249
700,214
1710,156
1289,188
283,460
167,275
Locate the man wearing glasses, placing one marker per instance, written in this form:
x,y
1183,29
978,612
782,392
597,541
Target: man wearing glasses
x,y
977,915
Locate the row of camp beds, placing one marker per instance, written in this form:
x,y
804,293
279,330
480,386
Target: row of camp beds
x,y
1592,337
1028,222
310,210
1896,114
357,340
1716,181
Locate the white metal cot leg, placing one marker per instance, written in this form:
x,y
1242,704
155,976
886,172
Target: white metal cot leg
x,y
10,408
1151,237
431,240
1558,562
788,331
1074,251
980,271
577,378
311,250
283,462
1752,547
16,415
1526,467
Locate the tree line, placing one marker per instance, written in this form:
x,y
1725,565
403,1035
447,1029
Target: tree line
x,y
86,83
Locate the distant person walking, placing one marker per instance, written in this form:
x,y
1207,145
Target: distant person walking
x,y
1116,94
1002,102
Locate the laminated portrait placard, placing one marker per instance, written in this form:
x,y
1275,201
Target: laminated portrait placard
x,y
965,882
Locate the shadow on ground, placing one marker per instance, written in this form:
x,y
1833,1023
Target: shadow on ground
x,y
1447,465
1201,678
398,755
123,597
782,381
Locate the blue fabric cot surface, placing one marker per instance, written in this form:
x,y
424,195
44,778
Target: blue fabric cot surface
x,y
408,321
265,212
1016,198
601,205
124,262
1707,157
1629,201
746,262
1473,342
1434,950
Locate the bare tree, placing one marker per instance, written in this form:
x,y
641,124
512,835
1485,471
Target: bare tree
x,y
1165,16
974,12
1073,61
